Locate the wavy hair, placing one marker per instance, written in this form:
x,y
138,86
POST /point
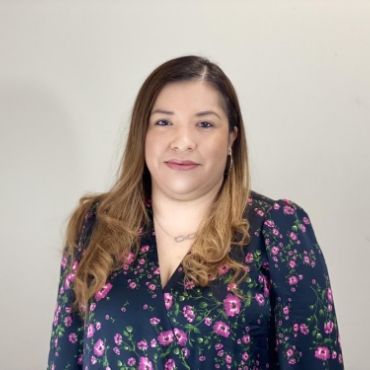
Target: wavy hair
x,y
122,210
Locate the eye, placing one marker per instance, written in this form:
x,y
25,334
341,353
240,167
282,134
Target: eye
x,y
208,123
161,120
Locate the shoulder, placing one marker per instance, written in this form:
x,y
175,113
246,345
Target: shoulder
x,y
265,205
263,211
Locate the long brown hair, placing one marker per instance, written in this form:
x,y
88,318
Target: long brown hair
x,y
121,211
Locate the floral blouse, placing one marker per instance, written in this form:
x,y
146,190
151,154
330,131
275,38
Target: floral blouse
x,y
287,320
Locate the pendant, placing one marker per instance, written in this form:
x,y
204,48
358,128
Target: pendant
x,y
181,238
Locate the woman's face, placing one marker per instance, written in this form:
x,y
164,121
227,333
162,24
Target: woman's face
x,y
179,131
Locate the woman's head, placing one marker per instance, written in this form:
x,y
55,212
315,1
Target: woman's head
x,y
186,86
188,122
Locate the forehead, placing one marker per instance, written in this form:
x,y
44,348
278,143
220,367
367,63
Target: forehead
x,y
197,95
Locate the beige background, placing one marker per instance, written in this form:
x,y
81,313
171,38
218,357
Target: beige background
x,y
69,74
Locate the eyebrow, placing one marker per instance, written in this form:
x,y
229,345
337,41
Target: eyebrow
x,y
199,114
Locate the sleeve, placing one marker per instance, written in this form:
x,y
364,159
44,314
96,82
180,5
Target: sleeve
x,y
305,328
67,332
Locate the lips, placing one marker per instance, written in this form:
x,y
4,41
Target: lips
x,y
179,162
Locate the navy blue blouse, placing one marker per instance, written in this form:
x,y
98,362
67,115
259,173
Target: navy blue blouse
x,y
287,320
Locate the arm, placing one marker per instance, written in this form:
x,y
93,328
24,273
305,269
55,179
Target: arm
x,y
66,342
67,329
306,330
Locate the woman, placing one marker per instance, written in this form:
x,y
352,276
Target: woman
x,y
181,265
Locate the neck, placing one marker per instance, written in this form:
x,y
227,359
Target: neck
x,y
181,215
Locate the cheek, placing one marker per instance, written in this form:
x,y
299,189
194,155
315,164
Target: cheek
x,y
152,149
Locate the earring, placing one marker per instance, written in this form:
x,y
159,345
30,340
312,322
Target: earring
x,y
230,165
231,159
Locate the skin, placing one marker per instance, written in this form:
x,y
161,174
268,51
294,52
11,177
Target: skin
x,y
180,199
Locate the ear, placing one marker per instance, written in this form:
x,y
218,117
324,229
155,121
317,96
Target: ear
x,y
233,135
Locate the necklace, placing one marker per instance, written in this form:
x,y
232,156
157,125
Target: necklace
x,y
178,238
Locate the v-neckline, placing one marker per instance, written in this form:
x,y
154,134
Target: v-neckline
x,y
171,281
178,272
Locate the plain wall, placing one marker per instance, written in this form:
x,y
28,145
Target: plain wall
x,y
69,74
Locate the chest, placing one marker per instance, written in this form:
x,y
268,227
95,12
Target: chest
x,y
170,255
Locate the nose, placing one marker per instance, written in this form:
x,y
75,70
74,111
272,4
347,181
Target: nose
x,y
183,139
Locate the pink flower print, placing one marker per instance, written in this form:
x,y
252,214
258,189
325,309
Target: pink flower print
x,y
131,361
329,294
328,327
128,261
288,210
153,343
64,262
286,310
92,307
306,220
295,327
220,353
72,338
154,320
188,313
306,260
152,286
170,364
260,212
93,360
90,330
142,345
189,284
269,223
231,305
117,351
145,364
118,339
185,351
293,280
181,337
228,359
99,348
221,328
165,337
245,356
302,228
231,286
168,299
290,352
260,299
68,321
130,258
144,248
74,266
56,315
98,325
70,278
304,329
292,264
246,339
208,321
322,353
249,258
218,346
275,250
102,293
293,236
223,269
132,285
276,206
